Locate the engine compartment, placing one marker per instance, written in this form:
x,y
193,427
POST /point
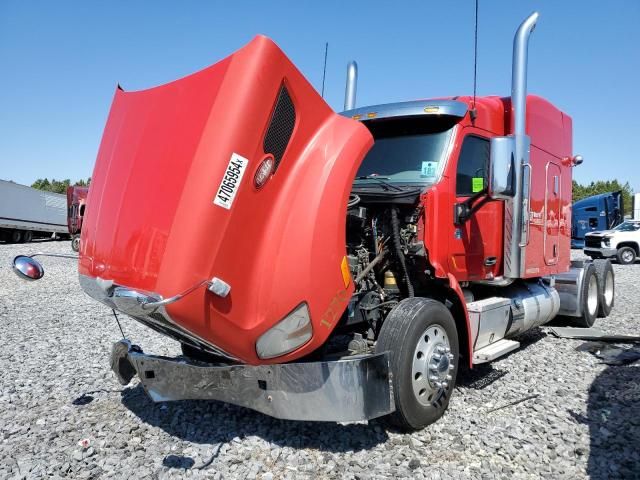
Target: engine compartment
x,y
385,254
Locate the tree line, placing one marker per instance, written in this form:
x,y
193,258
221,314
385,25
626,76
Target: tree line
x,y
58,186
605,186
579,191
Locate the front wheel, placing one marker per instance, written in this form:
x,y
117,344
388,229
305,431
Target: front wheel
x,y
626,255
75,243
422,340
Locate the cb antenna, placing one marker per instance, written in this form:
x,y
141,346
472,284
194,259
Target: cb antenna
x,y
473,113
324,70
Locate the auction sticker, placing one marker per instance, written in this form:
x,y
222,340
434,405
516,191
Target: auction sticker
x,y
231,181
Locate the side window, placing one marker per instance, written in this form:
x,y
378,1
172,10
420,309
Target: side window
x,y
473,166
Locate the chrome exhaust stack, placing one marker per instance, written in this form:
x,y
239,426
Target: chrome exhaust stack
x,y
519,75
352,84
517,208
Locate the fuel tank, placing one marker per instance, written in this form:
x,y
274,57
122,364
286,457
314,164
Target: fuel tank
x,y
178,196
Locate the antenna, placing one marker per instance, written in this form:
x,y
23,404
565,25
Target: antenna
x,y
324,72
473,112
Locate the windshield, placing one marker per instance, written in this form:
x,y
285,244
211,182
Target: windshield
x,y
628,227
405,154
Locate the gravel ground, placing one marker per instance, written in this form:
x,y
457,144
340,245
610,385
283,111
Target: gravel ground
x,y
57,391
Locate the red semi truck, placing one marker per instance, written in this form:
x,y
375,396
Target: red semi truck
x,y
324,266
76,204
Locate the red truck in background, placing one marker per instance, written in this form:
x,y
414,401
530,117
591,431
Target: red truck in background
x,y
76,203
324,266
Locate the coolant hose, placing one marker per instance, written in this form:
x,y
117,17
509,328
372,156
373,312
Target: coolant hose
x,y
395,226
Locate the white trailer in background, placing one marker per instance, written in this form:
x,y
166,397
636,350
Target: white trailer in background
x,y
636,206
27,213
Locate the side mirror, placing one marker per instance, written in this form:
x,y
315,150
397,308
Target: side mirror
x,y
27,268
501,166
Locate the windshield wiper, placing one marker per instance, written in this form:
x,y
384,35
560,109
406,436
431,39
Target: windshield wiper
x,y
381,181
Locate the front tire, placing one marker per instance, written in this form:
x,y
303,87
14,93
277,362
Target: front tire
x,y
422,340
626,255
27,236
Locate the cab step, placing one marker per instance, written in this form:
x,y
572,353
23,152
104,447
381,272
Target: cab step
x,y
494,350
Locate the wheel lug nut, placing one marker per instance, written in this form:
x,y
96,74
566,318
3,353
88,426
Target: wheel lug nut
x,y
433,378
450,356
441,349
449,378
436,356
452,366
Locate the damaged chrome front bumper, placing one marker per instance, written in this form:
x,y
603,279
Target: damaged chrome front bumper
x,y
345,390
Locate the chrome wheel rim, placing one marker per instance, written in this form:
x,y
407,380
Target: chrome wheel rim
x,y
432,365
592,295
628,256
608,289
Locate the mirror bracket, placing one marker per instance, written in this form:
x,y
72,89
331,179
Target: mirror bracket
x,y
27,268
463,210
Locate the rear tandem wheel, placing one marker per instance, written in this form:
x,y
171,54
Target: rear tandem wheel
x,y
590,297
607,290
15,236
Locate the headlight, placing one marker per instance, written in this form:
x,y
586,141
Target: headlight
x,y
606,241
287,335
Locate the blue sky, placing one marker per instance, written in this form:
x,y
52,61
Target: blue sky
x,y
60,62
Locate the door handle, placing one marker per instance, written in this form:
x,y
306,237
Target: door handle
x,y
490,261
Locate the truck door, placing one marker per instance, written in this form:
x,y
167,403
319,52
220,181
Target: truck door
x,y
552,214
476,252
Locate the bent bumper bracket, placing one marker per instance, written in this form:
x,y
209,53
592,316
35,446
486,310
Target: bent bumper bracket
x,y
351,389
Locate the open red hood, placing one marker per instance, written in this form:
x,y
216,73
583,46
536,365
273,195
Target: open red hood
x,y
161,218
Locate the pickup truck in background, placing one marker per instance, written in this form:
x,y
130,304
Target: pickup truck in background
x,y
622,242
27,213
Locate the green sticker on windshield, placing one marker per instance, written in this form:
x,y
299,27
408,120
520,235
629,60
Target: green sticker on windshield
x,y
477,184
428,169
